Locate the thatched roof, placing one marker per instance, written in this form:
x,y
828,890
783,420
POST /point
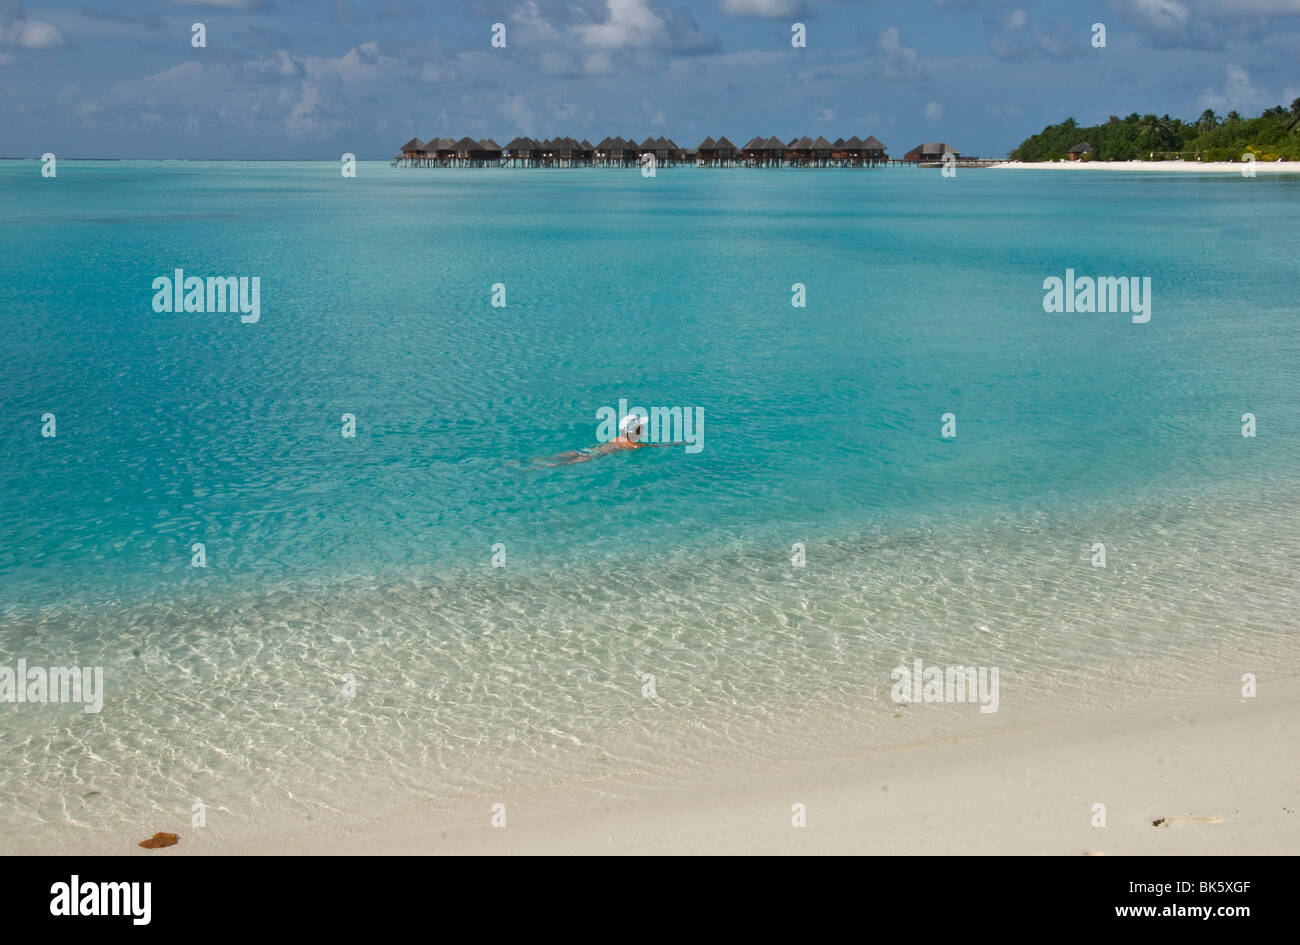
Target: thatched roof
x,y
839,143
415,144
724,144
773,144
757,144
821,144
803,144
587,145
1082,147
708,144
873,144
487,144
467,144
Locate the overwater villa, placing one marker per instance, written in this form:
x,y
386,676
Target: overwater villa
x,y
930,152
619,152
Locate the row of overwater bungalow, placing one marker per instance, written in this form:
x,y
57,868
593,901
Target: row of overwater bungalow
x,y
617,152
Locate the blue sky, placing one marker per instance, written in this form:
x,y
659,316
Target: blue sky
x,y
303,79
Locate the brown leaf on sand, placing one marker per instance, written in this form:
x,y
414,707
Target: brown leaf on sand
x,y
1179,821
160,840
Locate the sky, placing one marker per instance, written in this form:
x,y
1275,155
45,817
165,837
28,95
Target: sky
x,y
312,79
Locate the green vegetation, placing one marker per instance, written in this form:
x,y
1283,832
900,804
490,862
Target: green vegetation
x,y
1274,134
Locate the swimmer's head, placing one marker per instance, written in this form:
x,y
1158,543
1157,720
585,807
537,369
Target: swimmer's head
x,y
632,427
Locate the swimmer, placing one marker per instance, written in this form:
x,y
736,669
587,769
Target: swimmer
x,y
629,436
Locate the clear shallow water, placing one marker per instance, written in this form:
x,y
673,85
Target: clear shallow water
x,y
371,556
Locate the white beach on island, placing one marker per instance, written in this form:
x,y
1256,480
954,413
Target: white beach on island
x,y
1182,167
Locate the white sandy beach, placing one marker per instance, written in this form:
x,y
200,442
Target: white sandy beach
x,y
1194,167
1222,771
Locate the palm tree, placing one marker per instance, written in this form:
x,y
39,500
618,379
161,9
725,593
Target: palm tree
x,y
1234,115
1158,133
1208,120
1295,115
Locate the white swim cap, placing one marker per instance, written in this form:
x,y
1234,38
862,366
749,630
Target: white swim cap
x,y
632,427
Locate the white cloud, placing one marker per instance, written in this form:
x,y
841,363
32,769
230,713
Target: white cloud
x,y
635,24
1161,14
311,96
435,72
1204,24
900,62
762,7
570,114
529,26
1254,7
320,106
220,4
17,30
631,23
1238,94
279,63
934,111
176,81
516,110
568,64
